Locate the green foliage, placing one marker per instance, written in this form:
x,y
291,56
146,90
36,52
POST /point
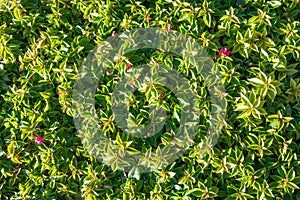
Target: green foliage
x,y
42,44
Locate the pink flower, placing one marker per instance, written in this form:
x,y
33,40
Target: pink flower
x,y
39,140
128,66
114,33
59,93
225,52
131,84
149,18
170,26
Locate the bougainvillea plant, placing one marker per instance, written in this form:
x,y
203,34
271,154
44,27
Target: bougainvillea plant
x,y
255,45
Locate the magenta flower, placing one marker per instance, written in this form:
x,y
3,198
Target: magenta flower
x,y
39,140
225,52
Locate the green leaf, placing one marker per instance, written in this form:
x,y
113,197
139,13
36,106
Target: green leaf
x,y
17,13
264,54
281,170
183,17
275,4
291,174
241,107
11,149
207,19
293,185
256,81
83,42
135,173
248,34
239,36
195,192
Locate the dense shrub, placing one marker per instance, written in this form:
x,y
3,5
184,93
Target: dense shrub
x,y
256,46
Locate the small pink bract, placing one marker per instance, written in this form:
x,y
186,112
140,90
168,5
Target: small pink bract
x,y
39,140
128,66
225,52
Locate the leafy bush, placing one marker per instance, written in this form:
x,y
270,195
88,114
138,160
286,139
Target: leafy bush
x,y
42,45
